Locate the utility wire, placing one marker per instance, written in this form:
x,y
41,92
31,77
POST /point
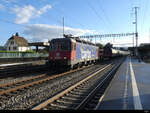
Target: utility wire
x,y
62,13
104,13
9,22
96,13
59,21
144,16
17,4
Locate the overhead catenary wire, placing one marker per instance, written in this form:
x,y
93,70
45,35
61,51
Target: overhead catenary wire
x,y
10,22
96,13
105,16
24,25
104,13
91,7
60,22
63,15
145,13
51,17
68,17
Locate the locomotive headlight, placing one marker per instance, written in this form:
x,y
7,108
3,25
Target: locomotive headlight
x,y
65,57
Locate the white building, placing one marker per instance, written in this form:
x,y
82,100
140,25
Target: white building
x,y
17,43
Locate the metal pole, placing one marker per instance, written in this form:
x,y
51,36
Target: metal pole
x,y
63,27
133,46
149,35
133,41
136,33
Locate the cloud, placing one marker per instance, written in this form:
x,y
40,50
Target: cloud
x,y
24,14
9,1
43,10
1,7
44,32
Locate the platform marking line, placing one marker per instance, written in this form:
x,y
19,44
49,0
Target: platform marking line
x,y
101,98
126,88
99,102
136,98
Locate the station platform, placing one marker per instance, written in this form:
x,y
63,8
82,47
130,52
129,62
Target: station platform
x,y
129,89
14,64
23,63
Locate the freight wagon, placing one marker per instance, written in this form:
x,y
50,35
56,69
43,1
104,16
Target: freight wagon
x,y
112,53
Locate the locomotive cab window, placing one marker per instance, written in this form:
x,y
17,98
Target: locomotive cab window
x,y
54,46
65,46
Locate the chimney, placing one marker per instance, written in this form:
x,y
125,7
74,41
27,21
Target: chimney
x,y
17,34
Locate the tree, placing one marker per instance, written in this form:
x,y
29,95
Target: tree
x,y
109,45
99,45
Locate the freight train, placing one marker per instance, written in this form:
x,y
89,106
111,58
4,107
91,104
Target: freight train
x,y
71,52
109,52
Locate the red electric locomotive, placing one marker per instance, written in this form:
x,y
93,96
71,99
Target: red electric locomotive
x,y
71,52
62,52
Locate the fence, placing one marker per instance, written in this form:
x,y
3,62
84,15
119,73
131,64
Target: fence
x,y
22,55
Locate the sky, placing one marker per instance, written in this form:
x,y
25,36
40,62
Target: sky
x,y
42,20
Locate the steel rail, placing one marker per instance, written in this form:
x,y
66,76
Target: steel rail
x,y
20,81
36,82
93,92
45,103
4,73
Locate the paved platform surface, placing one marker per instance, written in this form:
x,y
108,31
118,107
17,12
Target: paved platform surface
x,y
129,89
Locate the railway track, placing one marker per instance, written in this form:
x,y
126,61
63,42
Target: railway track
x,y
20,84
80,94
22,69
16,71
10,92
13,89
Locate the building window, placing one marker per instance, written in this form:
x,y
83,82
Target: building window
x,y
14,48
12,42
